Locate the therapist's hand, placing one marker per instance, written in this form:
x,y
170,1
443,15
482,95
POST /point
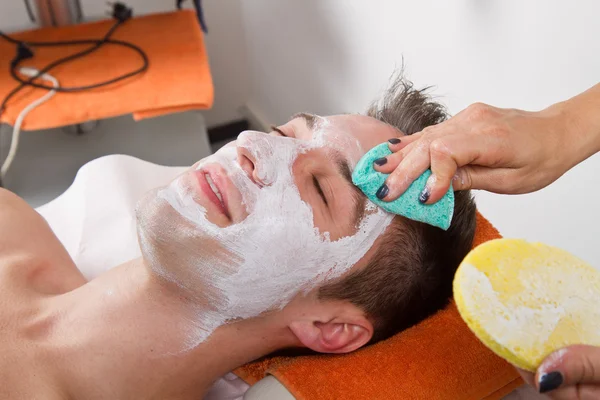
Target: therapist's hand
x,y
570,373
500,150
482,147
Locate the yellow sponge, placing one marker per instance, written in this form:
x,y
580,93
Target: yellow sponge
x,y
525,300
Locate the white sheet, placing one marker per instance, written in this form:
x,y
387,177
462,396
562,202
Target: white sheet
x,y
94,218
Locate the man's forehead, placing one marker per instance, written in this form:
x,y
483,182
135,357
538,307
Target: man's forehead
x,y
348,130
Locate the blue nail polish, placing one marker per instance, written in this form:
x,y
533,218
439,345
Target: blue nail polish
x,y
550,381
381,161
424,196
382,192
394,140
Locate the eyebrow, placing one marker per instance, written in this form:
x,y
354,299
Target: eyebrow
x,y
358,198
310,119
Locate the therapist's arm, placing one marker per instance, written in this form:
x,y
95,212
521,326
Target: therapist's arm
x,y
583,112
500,150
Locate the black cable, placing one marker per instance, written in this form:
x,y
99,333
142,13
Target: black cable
x,y
14,64
80,54
121,12
29,11
199,13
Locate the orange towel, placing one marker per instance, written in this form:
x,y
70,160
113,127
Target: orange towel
x,y
437,359
178,76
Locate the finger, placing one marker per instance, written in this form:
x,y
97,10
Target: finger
x,y
387,164
472,160
462,178
448,154
400,147
570,366
570,392
398,143
496,180
430,132
577,392
443,169
411,167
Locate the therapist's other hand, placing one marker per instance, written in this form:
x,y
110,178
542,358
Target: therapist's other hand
x,y
483,147
569,373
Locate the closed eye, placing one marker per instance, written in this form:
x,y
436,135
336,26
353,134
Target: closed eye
x,y
319,189
276,129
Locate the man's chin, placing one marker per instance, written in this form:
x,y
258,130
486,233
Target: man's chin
x,y
177,249
160,223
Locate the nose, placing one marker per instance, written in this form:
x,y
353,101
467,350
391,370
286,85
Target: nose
x,y
246,158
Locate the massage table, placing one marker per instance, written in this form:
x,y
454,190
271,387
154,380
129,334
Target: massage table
x,y
95,221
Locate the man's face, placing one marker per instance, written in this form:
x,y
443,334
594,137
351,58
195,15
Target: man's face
x,y
322,172
267,216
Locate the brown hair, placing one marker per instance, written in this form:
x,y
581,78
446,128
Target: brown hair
x,y
410,275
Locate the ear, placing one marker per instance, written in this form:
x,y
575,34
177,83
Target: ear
x,y
333,336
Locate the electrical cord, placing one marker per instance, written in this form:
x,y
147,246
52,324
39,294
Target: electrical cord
x,y
199,13
14,142
120,12
29,11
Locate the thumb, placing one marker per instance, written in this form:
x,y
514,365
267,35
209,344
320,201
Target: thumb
x,y
476,177
496,180
578,364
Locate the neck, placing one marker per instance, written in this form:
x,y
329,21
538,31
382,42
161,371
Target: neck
x,y
139,333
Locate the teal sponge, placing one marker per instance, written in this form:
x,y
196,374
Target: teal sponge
x,y
408,205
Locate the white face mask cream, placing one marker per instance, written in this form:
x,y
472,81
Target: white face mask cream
x,y
260,263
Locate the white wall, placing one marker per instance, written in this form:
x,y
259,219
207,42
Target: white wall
x,y
224,42
330,56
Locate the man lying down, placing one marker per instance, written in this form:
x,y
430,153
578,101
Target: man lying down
x,y
263,246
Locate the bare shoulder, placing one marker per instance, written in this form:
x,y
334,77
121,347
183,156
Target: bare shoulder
x,y
21,227
29,249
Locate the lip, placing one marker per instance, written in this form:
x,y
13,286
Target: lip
x,y
218,181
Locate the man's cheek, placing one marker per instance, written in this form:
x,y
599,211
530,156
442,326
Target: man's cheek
x,y
308,197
